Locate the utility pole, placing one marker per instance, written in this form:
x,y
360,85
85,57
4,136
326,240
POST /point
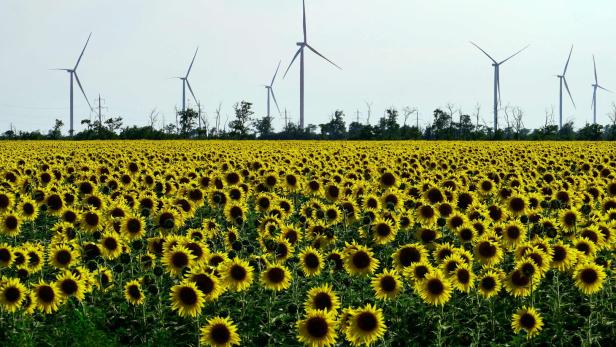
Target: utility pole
x,y
369,106
100,107
286,119
199,108
357,120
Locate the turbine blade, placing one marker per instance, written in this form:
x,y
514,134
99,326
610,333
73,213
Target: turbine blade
x,y
292,61
275,73
304,8
484,52
595,66
60,69
82,91
83,50
275,101
192,62
567,64
607,90
322,56
191,91
516,53
568,91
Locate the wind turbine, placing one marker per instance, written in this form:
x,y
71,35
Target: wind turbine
x,y
563,80
270,92
186,83
497,96
73,76
594,92
300,53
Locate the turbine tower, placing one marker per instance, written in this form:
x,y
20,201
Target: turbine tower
x,y
497,96
73,76
300,53
270,92
563,80
185,83
594,92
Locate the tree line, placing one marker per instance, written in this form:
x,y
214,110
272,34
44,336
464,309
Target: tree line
x,y
448,123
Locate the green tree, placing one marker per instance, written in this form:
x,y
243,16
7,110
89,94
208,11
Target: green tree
x,y
56,132
240,126
188,119
335,129
264,127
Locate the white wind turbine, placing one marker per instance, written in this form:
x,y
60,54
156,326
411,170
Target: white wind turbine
x,y
186,83
563,80
270,92
594,92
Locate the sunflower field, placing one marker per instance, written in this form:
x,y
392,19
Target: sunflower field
x,y
257,243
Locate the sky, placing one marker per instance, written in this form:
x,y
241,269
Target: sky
x,y
392,53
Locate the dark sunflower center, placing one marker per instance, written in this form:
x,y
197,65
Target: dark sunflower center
x,y
134,292
428,235
68,286
421,271
275,275
5,255
54,202
466,234
179,259
188,296
317,327
33,259
236,212
559,253
516,204
311,260
409,255
426,211
11,222
220,334
570,218
583,247
456,221
204,283
63,257
435,286
4,201
589,276
486,249
361,260
519,279
388,284
133,226
110,243
388,179
28,209
488,283
91,219
322,301
463,276
513,232
527,321
46,294
435,195
383,229
366,321
12,294
238,273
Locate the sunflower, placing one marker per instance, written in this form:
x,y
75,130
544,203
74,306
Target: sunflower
x,y
133,293
589,277
91,220
28,209
360,261
585,247
371,202
7,200
517,205
235,212
12,294
6,255
236,274
564,257
322,298
514,233
527,319
365,326
387,285
168,220
47,297
408,254
178,258
10,224
426,215
187,299
418,271
569,219
489,284
518,283
63,256
220,332
207,283
317,329
110,245
463,278
68,285
133,227
276,277
488,252
383,230
435,289
311,261
104,278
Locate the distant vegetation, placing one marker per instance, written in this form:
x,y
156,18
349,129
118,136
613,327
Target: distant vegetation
x,y
447,124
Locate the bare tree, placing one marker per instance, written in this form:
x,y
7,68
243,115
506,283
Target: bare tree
x,y
218,118
549,116
408,111
612,114
513,116
477,113
153,118
369,107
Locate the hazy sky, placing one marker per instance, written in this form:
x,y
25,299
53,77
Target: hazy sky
x,y
393,53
